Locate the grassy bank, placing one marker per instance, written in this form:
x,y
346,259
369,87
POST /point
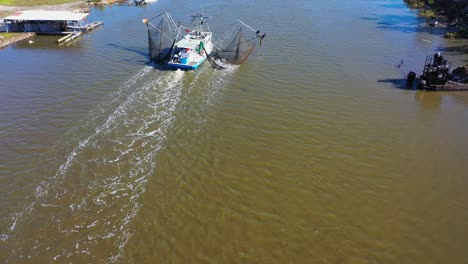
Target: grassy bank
x,y
11,38
33,2
6,36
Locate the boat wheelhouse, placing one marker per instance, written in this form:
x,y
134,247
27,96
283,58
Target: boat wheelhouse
x,y
191,51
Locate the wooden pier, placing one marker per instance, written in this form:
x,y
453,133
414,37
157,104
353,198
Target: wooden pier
x,y
50,22
69,37
93,25
85,28
78,32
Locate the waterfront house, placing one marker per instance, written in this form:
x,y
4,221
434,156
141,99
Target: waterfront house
x,y
45,21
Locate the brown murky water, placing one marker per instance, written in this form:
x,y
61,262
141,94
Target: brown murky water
x,y
314,153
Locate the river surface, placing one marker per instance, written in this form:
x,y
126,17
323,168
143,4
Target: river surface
x,y
313,153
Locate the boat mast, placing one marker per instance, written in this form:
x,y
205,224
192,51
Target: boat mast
x,y
203,14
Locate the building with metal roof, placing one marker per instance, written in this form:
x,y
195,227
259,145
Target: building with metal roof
x,y
44,21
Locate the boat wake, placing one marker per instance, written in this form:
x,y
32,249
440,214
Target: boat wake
x,y
87,207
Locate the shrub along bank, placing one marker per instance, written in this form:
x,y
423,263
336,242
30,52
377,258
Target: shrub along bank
x,y
456,11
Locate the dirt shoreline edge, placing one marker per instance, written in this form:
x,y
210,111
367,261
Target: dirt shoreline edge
x,y
16,39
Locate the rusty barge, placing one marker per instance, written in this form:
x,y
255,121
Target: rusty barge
x,y
436,76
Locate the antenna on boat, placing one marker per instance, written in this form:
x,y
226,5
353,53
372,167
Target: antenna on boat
x,y
205,17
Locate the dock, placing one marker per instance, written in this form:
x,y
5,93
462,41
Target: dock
x,y
70,37
48,22
137,2
93,25
85,28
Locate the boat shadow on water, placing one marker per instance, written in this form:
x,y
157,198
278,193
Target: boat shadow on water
x,y
142,55
428,100
399,83
132,49
141,58
424,99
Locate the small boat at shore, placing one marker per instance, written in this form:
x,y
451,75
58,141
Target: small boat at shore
x,y
187,47
137,2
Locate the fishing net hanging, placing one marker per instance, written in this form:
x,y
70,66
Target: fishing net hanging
x,y
237,51
161,37
235,46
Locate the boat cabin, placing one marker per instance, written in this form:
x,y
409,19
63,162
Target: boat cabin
x,y
190,50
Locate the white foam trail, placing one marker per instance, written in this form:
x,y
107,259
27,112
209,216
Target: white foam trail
x,y
41,117
118,112
219,80
125,145
43,187
171,98
124,189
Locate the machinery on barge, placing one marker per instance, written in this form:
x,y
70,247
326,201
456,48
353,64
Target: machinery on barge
x,y
436,76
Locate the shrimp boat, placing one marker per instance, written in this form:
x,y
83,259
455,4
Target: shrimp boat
x,y
187,47
193,49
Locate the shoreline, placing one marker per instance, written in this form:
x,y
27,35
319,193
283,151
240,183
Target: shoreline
x,y
7,10
78,5
74,6
13,40
452,14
